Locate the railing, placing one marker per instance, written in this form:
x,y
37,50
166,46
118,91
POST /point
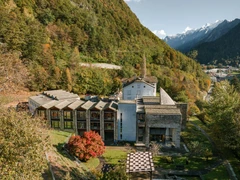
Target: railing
x,y
141,124
108,127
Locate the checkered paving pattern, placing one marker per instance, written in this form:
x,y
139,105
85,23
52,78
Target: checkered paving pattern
x,y
139,162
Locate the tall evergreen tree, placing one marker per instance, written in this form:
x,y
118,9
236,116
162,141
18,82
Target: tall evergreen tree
x,y
223,109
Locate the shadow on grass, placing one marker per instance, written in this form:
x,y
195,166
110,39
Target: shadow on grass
x,y
64,172
62,150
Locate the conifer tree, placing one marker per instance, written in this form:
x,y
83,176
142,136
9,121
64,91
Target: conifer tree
x,y
223,109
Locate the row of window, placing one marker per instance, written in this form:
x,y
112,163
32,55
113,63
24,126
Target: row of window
x,y
81,115
67,124
81,125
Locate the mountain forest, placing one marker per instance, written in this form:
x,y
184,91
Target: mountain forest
x,y
222,51
43,42
214,44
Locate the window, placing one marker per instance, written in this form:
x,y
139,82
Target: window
x,y
95,125
139,85
140,131
67,114
55,114
68,124
140,117
108,116
81,115
81,125
55,124
120,136
42,113
95,115
121,126
108,126
128,92
132,86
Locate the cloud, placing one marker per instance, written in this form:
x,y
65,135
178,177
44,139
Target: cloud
x,y
187,29
160,33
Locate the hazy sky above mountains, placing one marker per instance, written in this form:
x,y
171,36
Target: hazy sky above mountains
x,y
170,17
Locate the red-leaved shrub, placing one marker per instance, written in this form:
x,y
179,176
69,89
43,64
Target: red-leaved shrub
x,y
85,147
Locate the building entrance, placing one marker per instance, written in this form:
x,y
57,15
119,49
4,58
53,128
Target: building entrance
x,y
157,135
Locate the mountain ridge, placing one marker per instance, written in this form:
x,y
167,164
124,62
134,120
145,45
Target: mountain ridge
x,y
187,41
222,51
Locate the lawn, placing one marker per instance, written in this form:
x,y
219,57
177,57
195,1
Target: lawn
x,y
115,155
58,137
227,153
194,163
91,163
62,163
191,134
218,173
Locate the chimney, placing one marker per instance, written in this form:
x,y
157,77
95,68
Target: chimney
x,y
144,70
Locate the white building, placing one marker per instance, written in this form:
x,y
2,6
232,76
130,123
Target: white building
x,y
126,120
136,87
142,117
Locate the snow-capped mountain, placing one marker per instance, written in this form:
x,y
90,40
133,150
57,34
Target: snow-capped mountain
x,y
207,33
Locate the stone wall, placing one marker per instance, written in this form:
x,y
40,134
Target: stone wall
x,y
164,121
184,110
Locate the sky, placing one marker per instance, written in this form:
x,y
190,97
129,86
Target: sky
x,y
171,17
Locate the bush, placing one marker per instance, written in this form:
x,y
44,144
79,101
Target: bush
x,y
85,147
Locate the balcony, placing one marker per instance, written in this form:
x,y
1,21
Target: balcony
x,y
108,126
141,123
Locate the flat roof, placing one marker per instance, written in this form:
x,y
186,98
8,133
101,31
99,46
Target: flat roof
x,y
160,106
151,100
162,111
127,102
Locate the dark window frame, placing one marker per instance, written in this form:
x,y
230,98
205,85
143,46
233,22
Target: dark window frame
x,y
53,123
95,115
55,114
67,115
80,127
66,125
81,115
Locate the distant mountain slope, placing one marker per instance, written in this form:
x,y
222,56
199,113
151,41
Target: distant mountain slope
x,y
224,50
210,32
53,37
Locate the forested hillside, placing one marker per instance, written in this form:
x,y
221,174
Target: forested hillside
x,y
51,37
224,51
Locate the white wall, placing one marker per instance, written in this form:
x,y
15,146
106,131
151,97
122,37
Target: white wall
x,y
138,90
127,112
